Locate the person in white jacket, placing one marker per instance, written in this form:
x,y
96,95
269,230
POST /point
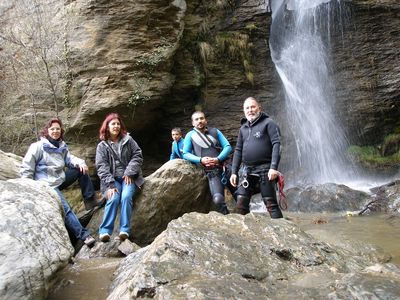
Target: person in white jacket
x,y
45,161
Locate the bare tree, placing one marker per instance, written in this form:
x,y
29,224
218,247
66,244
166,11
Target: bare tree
x,y
32,60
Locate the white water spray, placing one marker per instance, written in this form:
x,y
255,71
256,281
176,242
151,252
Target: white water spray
x,y
299,42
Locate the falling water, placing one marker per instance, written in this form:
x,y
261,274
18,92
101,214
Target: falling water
x,y
299,42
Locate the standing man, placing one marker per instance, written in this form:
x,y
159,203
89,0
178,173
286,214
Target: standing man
x,y
210,148
257,153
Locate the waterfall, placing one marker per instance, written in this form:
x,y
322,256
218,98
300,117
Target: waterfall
x,y
299,43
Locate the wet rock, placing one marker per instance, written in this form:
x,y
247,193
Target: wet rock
x,y
387,197
375,282
127,247
114,248
211,256
328,197
34,242
9,166
176,188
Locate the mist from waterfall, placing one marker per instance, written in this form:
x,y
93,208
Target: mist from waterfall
x,y
299,43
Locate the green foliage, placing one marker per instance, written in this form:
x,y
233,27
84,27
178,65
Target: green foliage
x,y
251,27
397,130
137,98
206,52
391,144
371,156
223,4
236,46
204,32
67,78
392,138
150,61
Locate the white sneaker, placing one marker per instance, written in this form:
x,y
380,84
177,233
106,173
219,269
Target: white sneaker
x,y
89,241
123,235
104,237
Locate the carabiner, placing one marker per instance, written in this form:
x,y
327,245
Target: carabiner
x,y
245,183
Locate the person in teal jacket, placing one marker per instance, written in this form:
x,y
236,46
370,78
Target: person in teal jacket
x,y
208,147
177,144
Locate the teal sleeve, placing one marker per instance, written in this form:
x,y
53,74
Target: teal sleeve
x,y
226,147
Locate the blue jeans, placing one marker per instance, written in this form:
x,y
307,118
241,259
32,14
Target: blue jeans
x,y
124,196
71,221
86,185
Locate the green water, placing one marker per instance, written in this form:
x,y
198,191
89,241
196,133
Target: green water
x,y
382,231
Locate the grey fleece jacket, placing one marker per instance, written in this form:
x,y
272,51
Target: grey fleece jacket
x,y
131,158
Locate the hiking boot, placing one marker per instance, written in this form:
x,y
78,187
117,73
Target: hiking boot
x,y
272,208
104,237
123,236
94,202
89,241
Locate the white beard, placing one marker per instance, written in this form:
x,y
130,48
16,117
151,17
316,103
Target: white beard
x,y
253,117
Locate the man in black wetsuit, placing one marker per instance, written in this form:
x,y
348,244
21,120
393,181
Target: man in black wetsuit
x,y
257,154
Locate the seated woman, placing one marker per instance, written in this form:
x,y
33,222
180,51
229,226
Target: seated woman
x,y
118,162
45,161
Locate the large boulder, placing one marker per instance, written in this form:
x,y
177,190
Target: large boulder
x,y
34,242
328,197
211,256
176,188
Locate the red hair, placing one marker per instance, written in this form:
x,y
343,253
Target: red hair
x,y
45,130
104,133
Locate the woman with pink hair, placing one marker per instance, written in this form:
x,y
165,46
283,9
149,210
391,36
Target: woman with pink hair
x,y
118,162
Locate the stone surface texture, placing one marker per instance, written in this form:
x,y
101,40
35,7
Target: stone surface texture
x,y
211,256
34,242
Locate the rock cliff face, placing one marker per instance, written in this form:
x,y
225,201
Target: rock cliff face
x,y
155,62
121,56
159,61
367,60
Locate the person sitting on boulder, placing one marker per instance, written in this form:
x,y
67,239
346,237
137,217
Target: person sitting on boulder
x,y
118,162
46,159
210,148
177,144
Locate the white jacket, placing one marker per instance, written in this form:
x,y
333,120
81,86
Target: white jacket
x,y
45,162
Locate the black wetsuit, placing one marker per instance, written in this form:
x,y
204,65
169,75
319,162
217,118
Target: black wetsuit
x,y
214,144
257,150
